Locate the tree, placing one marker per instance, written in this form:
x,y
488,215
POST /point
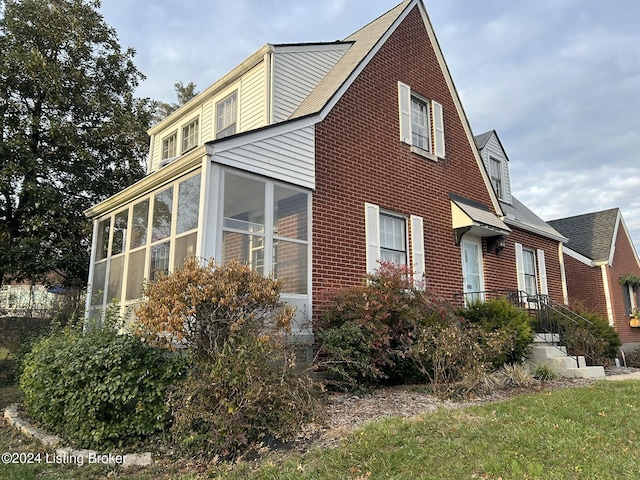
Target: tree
x,y
184,93
71,133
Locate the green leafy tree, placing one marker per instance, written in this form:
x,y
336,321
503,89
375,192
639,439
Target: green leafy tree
x,y
72,133
184,93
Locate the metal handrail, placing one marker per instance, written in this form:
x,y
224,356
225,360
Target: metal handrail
x,y
550,317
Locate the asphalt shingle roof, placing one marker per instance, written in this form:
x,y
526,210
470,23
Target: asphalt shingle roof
x,y
589,234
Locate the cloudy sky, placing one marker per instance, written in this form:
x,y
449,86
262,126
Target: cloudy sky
x,y
559,80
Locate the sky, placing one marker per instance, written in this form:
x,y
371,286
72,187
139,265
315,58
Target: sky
x,y
559,80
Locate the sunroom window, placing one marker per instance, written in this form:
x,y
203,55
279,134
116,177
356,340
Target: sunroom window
x,y
266,226
154,235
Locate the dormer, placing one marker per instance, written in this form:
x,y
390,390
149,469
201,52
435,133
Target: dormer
x,y
264,89
496,163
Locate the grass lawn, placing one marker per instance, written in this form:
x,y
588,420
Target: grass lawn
x,y
575,433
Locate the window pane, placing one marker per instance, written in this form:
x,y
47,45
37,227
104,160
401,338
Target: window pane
x,y
243,204
169,146
185,248
97,285
190,135
162,205
159,260
226,116
135,274
392,233
188,204
116,272
120,233
290,214
420,127
102,246
290,266
247,249
139,224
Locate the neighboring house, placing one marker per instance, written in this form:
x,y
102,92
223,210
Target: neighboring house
x,y
312,162
25,300
536,245
602,267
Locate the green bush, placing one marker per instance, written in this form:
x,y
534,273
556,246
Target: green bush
x,y
100,389
246,383
498,315
591,336
366,332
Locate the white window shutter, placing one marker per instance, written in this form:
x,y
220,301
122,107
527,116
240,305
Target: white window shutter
x,y
417,250
404,105
372,226
520,267
438,129
542,273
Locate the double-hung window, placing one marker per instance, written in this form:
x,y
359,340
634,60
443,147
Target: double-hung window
x,y
532,272
631,295
226,116
169,146
190,135
495,173
393,238
387,240
421,123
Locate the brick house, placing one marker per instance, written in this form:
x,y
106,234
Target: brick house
x,y
312,162
602,268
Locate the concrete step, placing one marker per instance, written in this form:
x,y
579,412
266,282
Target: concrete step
x,y
543,351
564,365
551,338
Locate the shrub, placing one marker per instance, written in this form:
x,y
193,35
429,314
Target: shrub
x,y
366,332
99,388
544,372
200,305
591,336
498,315
245,383
454,354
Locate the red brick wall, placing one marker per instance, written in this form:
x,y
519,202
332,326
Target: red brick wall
x,y
624,262
500,270
584,285
359,158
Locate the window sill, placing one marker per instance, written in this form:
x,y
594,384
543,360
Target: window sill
x,y
424,153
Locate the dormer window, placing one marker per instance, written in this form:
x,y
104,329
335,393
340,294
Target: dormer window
x,y
495,167
190,135
169,145
226,116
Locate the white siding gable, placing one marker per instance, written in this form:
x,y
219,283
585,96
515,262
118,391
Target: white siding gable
x,y
288,156
297,71
251,91
494,149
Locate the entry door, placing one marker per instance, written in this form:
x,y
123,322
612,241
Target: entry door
x,y
472,273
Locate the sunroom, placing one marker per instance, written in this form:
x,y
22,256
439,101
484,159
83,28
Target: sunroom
x,y
206,204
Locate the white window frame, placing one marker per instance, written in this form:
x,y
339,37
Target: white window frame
x,y
540,267
497,178
227,120
170,145
414,230
434,122
190,134
95,304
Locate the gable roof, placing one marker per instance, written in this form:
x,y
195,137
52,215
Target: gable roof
x,y
590,234
519,215
482,140
364,40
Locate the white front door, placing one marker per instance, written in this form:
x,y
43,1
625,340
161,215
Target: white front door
x,y
472,273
